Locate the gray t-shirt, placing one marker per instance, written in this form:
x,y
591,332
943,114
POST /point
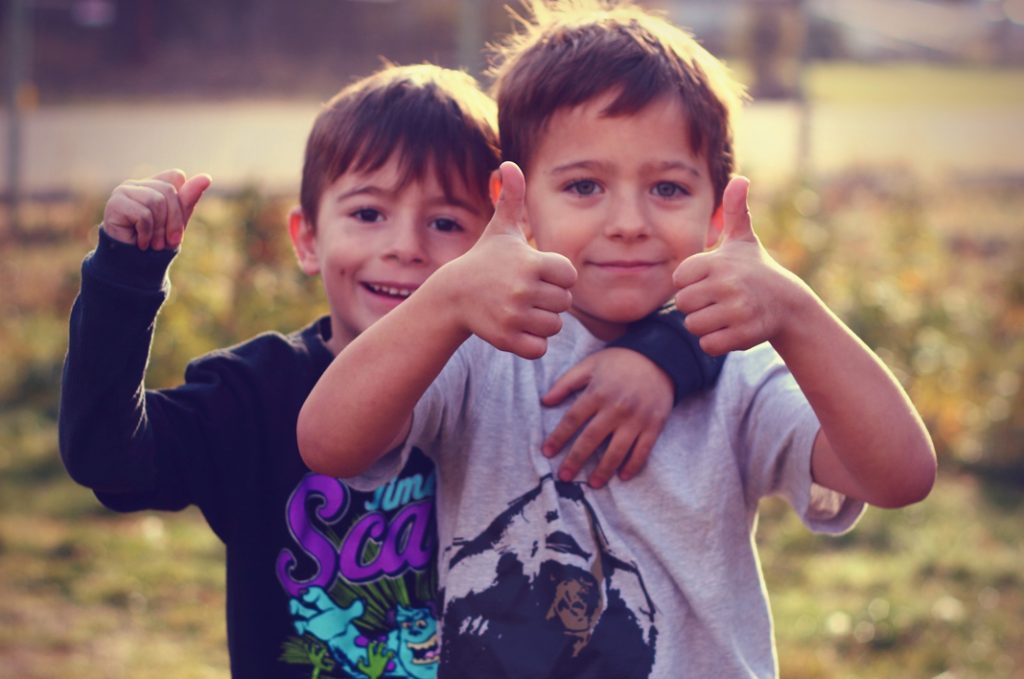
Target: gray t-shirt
x,y
654,577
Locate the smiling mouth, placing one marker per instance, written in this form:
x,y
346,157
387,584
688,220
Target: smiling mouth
x,y
389,291
626,265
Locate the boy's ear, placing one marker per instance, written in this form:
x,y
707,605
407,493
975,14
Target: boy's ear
x,y
303,236
494,188
715,226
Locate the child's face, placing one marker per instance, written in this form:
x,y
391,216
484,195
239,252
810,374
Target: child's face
x,y
625,199
377,240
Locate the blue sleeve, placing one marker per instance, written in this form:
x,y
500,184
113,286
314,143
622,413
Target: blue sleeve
x,y
135,448
105,439
663,339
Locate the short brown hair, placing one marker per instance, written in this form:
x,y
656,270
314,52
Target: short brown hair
x,y
434,118
566,54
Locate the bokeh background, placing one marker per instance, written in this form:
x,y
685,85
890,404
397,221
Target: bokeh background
x,y
885,141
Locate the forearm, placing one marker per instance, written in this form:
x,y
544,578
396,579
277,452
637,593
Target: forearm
x,y
104,438
873,444
362,406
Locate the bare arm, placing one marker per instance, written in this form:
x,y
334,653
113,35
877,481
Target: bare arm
x,y
502,290
872,445
362,405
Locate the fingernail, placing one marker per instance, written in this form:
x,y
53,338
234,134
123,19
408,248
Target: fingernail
x,y
565,475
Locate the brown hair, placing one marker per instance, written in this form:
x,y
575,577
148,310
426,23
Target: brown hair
x,y
434,118
569,53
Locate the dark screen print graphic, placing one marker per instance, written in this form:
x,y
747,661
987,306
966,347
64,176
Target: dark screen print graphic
x,y
539,593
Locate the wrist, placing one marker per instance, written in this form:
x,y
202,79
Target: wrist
x,y
444,303
802,315
123,264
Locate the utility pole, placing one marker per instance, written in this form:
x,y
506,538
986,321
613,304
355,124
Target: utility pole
x,y
471,35
18,49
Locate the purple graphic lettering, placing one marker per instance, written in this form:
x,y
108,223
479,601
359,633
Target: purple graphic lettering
x,y
406,544
331,498
409,539
350,555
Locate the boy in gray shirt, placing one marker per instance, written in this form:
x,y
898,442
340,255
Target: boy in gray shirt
x,y
621,123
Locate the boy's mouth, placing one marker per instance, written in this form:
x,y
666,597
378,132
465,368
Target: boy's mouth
x,y
626,265
393,291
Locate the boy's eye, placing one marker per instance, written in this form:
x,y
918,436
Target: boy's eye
x,y
583,187
669,190
367,214
445,225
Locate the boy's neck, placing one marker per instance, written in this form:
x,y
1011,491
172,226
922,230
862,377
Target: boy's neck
x,y
334,341
602,329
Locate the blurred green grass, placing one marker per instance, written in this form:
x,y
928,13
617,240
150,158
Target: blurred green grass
x,y
930,273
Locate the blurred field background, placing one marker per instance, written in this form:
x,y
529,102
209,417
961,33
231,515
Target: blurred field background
x,y
888,170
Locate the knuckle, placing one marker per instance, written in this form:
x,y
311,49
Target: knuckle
x,y
623,407
571,420
556,440
611,460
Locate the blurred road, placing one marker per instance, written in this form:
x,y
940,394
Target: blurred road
x,y
90,148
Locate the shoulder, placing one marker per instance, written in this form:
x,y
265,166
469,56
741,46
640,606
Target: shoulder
x,y
271,353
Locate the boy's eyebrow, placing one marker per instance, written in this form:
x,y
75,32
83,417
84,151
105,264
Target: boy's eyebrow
x,y
442,201
660,166
676,165
363,190
578,165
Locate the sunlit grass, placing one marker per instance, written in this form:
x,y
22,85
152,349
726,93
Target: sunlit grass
x,y
87,593
915,592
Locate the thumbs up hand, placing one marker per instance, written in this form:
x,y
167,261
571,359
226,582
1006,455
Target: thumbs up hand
x,y
507,292
153,213
736,296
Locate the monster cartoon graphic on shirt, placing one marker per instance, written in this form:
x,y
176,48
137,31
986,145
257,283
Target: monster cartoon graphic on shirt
x,y
362,602
540,593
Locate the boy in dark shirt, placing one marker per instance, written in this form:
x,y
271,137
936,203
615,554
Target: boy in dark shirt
x,y
393,187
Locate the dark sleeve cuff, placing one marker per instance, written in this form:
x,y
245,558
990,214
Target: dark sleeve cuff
x,y
126,266
663,339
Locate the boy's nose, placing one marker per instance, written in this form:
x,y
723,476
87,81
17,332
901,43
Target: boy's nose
x,y
406,246
627,219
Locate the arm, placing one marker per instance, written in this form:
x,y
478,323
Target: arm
x,y
626,394
104,441
872,445
664,339
362,405
502,290
105,438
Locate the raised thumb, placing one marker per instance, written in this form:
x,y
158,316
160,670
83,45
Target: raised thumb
x,y
191,191
736,224
510,208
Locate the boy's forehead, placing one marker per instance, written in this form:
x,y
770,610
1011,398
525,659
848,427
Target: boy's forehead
x,y
393,181
567,133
